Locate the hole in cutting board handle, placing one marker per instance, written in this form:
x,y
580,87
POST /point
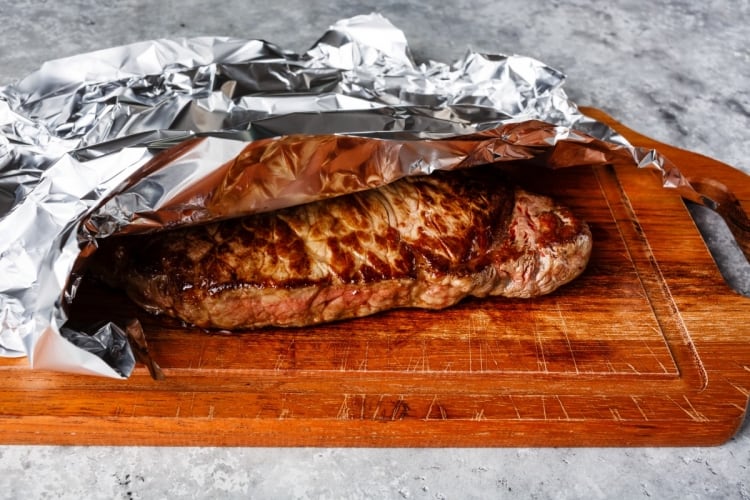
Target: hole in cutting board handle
x,y
725,228
718,197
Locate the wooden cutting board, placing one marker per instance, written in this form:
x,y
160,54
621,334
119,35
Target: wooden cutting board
x,y
648,347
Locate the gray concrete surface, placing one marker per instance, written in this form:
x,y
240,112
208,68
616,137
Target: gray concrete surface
x,y
675,70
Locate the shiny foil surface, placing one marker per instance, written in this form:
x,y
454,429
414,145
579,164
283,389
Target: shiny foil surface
x,y
164,133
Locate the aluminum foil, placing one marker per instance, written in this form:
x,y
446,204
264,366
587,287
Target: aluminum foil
x,y
170,132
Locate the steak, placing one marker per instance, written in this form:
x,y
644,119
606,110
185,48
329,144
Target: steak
x,y
422,241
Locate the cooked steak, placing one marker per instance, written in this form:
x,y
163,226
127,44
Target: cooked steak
x,y
426,241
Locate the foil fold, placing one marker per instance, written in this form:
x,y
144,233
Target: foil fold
x,y
163,133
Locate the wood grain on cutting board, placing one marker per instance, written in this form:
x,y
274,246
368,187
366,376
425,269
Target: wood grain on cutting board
x,y
648,347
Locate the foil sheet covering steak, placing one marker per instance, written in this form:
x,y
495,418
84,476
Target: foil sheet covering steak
x,y
425,241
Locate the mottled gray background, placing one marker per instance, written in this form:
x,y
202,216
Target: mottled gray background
x,y
677,71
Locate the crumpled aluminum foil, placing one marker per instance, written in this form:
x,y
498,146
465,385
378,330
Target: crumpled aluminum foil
x,y
168,132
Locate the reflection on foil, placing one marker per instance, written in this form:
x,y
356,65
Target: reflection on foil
x,y
108,341
168,132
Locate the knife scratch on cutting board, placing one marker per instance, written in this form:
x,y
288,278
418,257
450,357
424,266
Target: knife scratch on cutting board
x,y
541,359
349,405
564,329
515,407
653,354
343,413
345,357
562,407
479,322
429,408
635,370
691,411
284,412
638,406
279,362
363,363
421,363
377,407
400,409
743,391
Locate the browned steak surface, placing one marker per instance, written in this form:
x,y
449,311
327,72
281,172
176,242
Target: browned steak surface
x,y
424,242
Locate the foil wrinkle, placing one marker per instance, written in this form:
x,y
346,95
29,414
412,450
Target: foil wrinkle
x,y
169,132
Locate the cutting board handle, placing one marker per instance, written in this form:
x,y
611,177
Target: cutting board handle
x,y
709,178
720,198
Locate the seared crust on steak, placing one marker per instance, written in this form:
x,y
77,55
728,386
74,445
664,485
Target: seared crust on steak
x,y
426,241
